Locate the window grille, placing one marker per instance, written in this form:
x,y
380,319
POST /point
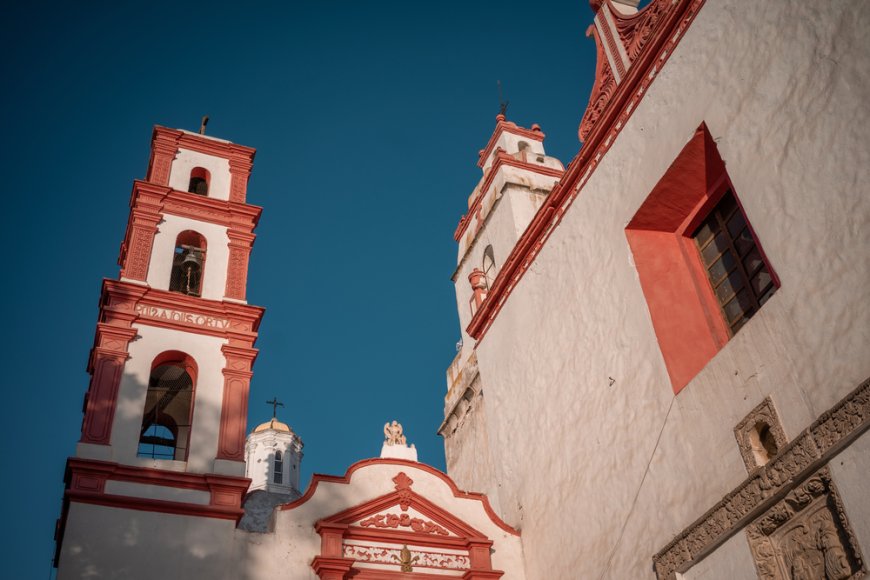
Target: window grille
x,y
740,278
166,419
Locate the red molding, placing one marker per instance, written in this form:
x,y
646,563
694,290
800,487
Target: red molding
x,y
601,137
149,202
165,145
346,478
234,406
86,482
334,530
504,126
502,159
685,313
143,305
124,304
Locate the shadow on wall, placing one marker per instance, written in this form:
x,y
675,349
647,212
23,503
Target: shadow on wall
x,y
132,544
171,416
109,542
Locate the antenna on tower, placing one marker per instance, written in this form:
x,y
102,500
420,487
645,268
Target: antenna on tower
x,y
502,104
203,124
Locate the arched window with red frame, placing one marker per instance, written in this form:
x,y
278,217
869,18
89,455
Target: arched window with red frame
x,y
188,264
200,178
168,412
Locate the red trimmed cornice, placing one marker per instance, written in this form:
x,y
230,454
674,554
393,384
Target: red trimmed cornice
x,y
317,478
86,483
132,303
502,160
203,144
504,126
164,199
613,119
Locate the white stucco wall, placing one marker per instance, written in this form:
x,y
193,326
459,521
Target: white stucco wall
x,y
208,394
287,553
613,472
186,160
102,542
510,143
216,256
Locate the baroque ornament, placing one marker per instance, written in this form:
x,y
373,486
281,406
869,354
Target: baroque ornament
x,y
806,536
793,465
405,521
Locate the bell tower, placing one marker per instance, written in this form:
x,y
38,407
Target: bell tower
x,y
166,409
517,177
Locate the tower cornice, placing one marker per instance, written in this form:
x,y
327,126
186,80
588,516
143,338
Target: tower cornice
x,y
136,304
502,125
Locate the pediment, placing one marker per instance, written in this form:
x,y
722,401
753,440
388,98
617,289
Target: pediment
x,y
403,511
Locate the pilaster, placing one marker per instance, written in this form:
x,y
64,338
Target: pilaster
x,y
234,407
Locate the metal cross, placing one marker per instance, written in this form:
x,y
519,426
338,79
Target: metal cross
x,y
275,404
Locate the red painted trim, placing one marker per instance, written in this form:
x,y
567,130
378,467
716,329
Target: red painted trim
x,y
165,145
106,366
334,530
86,481
331,568
601,137
463,531
685,313
124,304
504,126
502,159
240,246
346,479
143,305
378,574
234,407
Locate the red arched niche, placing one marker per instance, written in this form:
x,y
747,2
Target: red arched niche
x,y
379,531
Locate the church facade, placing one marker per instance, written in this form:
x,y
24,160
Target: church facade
x,y
665,355
664,363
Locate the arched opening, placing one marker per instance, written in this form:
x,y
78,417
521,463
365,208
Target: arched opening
x,y
199,181
489,266
763,443
166,419
278,477
188,264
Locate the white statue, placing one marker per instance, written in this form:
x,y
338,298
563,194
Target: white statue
x,y
393,434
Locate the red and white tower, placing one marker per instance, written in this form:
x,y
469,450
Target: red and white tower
x,y
165,413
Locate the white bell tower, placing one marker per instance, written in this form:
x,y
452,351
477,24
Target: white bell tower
x,y
273,455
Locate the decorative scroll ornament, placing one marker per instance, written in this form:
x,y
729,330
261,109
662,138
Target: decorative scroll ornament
x,y
620,40
403,486
421,559
793,465
806,536
405,521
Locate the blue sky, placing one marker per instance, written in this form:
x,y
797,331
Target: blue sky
x,y
367,118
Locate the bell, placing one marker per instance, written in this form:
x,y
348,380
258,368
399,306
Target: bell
x,y
192,258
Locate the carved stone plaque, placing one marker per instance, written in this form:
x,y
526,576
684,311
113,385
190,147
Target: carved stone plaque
x,y
805,536
760,435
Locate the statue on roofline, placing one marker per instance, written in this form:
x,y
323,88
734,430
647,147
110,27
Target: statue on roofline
x,y
393,434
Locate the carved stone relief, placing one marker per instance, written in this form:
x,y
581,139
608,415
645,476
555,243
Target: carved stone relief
x,y
760,435
788,470
806,536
